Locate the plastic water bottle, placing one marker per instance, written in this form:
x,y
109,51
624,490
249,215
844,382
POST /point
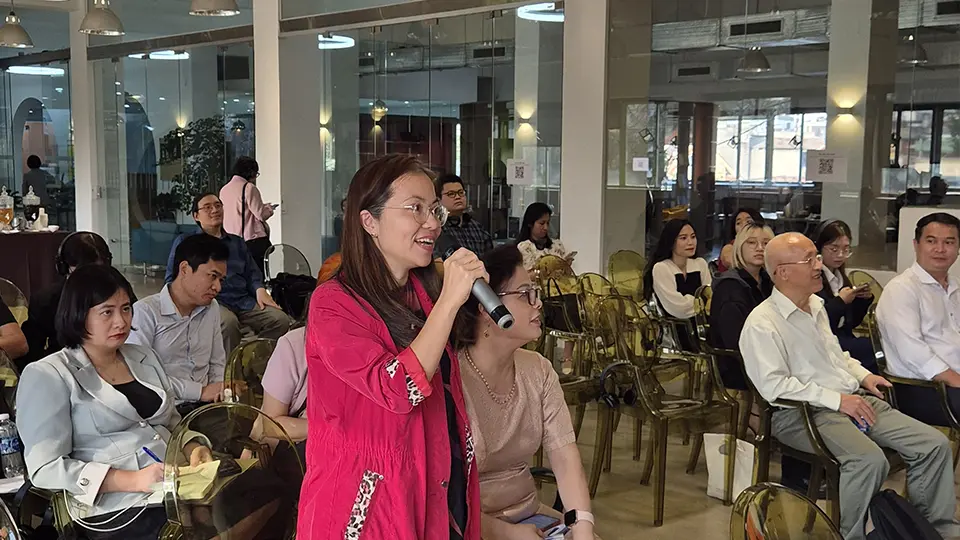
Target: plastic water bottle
x,y
11,451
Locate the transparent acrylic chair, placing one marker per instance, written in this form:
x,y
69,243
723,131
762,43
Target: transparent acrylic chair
x,y
770,511
14,299
625,269
284,258
250,490
243,374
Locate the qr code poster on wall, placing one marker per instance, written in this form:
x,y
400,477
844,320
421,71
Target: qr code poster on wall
x,y
827,167
519,172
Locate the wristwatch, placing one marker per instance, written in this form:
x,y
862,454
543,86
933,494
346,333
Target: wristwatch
x,y
572,517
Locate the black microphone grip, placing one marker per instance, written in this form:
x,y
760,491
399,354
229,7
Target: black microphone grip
x,y
448,245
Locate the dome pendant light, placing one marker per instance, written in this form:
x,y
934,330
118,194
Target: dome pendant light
x,y
12,34
101,20
754,62
379,110
214,8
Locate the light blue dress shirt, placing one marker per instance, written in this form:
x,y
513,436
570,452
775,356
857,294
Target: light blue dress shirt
x,y
190,347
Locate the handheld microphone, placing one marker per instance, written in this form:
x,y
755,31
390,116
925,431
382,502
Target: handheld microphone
x,y
446,245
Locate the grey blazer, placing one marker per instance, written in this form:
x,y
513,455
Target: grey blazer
x,y
75,426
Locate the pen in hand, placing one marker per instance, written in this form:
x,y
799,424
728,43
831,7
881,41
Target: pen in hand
x,y
151,454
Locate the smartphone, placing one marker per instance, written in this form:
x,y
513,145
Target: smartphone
x,y
572,254
556,533
542,522
274,205
861,287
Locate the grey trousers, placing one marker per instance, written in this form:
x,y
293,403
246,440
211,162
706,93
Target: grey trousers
x,y
864,468
268,322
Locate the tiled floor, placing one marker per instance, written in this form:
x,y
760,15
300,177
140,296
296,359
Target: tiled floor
x,y
624,508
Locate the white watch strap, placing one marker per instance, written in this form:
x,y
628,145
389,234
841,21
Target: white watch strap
x,y
583,515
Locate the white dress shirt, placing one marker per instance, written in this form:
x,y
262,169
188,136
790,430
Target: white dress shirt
x,y
920,325
834,278
791,354
665,285
190,348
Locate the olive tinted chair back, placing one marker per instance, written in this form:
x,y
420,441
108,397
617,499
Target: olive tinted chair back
x,y
243,375
625,269
251,488
770,511
14,299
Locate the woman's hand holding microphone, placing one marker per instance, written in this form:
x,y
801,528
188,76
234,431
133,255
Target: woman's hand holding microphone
x,y
460,271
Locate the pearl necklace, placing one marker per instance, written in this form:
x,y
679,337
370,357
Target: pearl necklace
x,y
493,396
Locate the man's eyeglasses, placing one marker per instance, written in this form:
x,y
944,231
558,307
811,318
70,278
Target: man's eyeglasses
x,y
455,194
532,294
422,212
809,262
211,207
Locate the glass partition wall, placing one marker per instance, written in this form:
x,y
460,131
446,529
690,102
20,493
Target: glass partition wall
x,y
468,95
35,121
173,124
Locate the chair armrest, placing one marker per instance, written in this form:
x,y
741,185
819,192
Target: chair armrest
x,y
912,382
543,474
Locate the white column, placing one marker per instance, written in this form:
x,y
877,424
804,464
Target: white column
x,y
584,131
266,53
305,97
861,74
526,105
84,129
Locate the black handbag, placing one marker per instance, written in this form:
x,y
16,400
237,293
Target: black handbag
x,y
561,311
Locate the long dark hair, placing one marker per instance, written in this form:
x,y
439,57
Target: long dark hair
x,y
363,268
501,263
827,232
663,251
532,214
755,217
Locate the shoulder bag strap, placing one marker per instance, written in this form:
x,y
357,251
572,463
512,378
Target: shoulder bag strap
x,y
243,210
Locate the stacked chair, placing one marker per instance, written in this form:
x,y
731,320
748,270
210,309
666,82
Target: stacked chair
x,y
772,511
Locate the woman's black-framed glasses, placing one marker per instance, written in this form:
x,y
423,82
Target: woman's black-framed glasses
x,y
532,294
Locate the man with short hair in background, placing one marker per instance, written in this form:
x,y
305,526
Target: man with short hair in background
x,y
182,322
461,225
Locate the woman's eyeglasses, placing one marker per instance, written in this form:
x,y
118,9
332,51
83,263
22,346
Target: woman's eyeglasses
x,y
532,294
837,252
422,212
753,243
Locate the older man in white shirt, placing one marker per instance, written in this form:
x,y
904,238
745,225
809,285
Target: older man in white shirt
x,y
790,353
182,323
919,317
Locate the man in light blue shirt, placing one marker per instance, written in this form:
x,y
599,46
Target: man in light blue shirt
x,y
182,322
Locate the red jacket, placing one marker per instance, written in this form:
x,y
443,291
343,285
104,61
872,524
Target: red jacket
x,y
378,450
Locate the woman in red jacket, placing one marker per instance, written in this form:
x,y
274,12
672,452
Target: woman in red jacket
x,y
389,450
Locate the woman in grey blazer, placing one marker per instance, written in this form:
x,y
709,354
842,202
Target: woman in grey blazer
x,y
86,413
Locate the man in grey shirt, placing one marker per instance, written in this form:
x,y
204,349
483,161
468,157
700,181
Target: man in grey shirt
x,y
182,322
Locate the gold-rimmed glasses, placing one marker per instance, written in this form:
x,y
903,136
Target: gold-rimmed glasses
x,y
422,212
809,262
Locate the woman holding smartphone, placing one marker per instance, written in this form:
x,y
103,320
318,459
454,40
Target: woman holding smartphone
x,y
389,448
846,305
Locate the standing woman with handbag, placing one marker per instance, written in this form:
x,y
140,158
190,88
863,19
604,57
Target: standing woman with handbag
x,y
244,212
389,450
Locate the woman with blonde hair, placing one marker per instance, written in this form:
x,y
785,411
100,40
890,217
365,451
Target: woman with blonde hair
x,y
735,293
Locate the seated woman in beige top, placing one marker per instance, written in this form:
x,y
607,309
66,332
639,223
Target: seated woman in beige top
x,y
516,405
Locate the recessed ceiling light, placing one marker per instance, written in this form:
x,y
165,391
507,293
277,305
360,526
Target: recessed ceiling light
x,y
161,98
542,12
331,41
36,70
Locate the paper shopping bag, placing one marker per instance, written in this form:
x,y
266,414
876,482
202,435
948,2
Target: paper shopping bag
x,y
716,446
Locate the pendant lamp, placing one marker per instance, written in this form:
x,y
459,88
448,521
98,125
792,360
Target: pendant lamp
x,y
101,20
12,33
